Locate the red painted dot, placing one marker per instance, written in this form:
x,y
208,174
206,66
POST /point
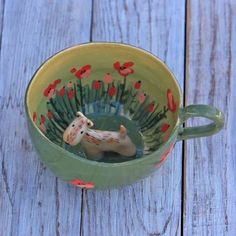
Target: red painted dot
x,y
165,127
43,119
151,107
71,93
62,91
56,82
50,114
137,85
34,117
112,91
97,85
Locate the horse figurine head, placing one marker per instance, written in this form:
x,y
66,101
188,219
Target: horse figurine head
x,y
77,129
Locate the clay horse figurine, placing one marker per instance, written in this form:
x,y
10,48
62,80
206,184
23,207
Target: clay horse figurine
x,y
95,142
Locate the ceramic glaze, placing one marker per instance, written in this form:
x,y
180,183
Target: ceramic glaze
x,y
117,93
95,142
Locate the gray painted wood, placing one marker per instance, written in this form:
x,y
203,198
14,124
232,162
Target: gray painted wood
x,y
210,176
152,206
32,200
2,3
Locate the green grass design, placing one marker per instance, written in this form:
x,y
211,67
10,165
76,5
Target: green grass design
x,y
64,109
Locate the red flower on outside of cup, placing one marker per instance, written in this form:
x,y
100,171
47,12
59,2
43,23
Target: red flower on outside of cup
x,y
50,114
50,90
108,78
124,69
34,117
62,91
83,72
71,93
137,85
97,84
89,185
112,91
142,97
82,184
171,102
77,182
165,155
165,127
151,107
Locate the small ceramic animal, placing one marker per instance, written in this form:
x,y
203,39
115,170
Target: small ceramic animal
x,y
95,142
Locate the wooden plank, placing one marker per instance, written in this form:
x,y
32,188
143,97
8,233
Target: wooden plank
x,y
152,206
2,3
32,200
210,177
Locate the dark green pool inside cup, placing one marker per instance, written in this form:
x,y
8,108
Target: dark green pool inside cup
x,y
112,84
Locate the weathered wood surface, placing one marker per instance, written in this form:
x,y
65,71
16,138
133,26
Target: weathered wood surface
x,y
153,206
210,176
34,202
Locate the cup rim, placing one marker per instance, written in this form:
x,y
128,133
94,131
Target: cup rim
x,y
92,162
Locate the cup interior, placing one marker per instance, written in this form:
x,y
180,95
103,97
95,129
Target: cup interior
x,y
112,84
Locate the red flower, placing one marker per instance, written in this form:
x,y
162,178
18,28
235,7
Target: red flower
x,y
34,117
112,91
171,102
165,127
97,84
108,78
43,119
62,91
165,155
71,93
50,90
137,85
142,97
151,107
83,72
50,114
82,184
124,69
77,182
89,185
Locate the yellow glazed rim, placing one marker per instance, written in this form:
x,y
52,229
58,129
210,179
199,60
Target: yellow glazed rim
x,y
77,157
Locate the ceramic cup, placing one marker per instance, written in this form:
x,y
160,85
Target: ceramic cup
x,y
111,84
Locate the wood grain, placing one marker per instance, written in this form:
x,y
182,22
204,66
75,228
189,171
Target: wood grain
x,y
210,177
2,4
152,206
32,200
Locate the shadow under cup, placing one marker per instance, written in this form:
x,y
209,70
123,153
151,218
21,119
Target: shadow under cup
x,y
111,84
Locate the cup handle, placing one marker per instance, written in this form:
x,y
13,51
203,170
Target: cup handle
x,y
200,131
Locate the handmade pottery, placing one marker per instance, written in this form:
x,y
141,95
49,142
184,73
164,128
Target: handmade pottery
x,y
118,89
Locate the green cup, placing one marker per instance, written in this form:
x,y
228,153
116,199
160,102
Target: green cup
x,y
112,84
